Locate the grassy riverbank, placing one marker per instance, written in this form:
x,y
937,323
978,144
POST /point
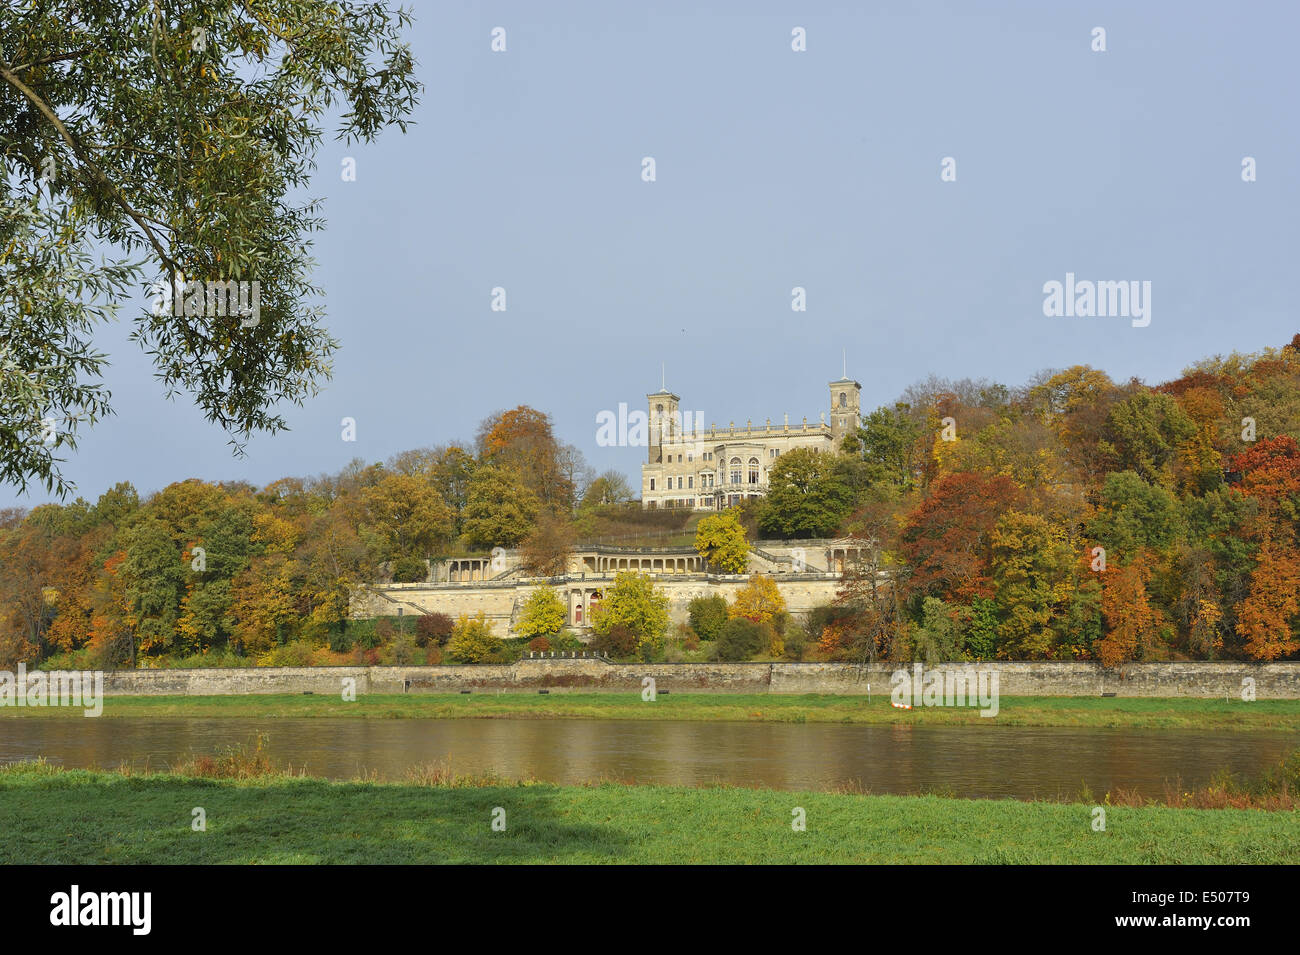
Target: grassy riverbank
x,y
56,816
1132,712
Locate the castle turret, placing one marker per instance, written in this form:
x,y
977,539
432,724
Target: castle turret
x,y
665,422
846,408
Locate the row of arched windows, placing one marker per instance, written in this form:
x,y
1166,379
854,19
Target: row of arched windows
x,y
736,471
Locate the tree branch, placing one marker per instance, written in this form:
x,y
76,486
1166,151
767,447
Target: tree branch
x,y
52,117
56,58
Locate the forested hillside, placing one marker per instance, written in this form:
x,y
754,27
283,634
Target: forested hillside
x,y
1071,517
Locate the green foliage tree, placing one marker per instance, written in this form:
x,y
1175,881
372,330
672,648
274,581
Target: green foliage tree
x,y
939,638
891,439
741,639
634,602
182,131
1143,433
1027,563
808,495
707,615
982,632
1134,515
410,570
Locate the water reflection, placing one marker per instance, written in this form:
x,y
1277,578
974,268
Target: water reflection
x,y
965,761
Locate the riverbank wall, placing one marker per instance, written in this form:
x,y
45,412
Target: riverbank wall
x,y
1203,680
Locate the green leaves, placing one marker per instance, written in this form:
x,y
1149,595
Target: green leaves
x,y
165,131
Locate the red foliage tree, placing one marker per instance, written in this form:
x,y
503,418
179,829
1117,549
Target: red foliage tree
x,y
946,538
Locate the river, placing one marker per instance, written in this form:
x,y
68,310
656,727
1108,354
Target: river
x,y
1015,762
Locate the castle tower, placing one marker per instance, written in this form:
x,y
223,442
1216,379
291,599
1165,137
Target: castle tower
x,y
665,422
846,408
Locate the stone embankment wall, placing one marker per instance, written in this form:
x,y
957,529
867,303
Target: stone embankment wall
x,y
1272,681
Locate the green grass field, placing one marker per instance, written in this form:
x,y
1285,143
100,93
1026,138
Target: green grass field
x,y
1134,712
54,816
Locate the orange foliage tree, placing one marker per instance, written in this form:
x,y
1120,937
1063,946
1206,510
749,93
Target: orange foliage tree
x,y
1131,623
1266,618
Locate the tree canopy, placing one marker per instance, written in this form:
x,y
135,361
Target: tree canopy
x,y
175,134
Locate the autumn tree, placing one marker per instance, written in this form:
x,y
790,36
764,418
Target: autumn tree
x,y
407,514
759,600
946,540
523,439
1270,473
1132,623
543,614
1267,618
611,487
472,640
500,510
720,539
634,603
547,548
1027,563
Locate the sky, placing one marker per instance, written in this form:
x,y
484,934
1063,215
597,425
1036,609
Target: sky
x,y
774,169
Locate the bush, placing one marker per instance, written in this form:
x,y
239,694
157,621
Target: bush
x,y
410,570
434,656
707,614
295,654
472,641
567,643
339,638
402,652
433,628
618,642
741,639
829,615
796,643
539,644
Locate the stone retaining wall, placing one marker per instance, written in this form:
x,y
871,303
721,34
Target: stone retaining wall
x,y
1272,681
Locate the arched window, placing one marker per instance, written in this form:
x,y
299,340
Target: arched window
x,y
753,470
735,470
844,400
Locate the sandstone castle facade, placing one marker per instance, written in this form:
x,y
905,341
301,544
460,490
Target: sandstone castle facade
x,y
713,469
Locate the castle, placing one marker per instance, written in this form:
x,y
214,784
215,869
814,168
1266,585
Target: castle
x,y
688,468
715,469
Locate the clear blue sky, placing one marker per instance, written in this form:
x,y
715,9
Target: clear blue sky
x,y
775,169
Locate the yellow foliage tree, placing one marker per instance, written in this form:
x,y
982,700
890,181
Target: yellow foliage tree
x,y
760,601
